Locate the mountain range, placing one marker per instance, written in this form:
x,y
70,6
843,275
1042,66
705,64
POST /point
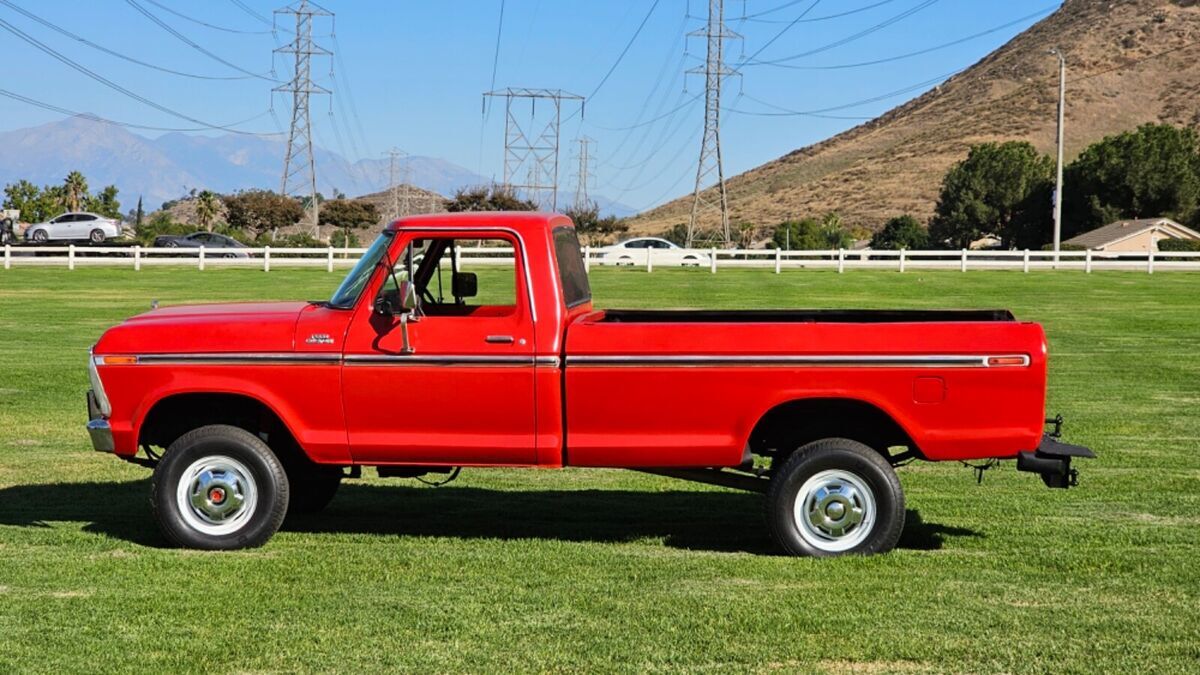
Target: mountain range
x,y
169,166
1129,62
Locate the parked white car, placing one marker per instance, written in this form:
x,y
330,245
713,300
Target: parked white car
x,y
75,226
634,252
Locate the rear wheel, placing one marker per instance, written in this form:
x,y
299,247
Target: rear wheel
x,y
219,488
835,497
96,236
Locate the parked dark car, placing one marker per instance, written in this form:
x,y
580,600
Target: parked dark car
x,y
209,240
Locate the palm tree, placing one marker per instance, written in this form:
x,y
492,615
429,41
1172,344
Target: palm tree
x,y
207,206
75,188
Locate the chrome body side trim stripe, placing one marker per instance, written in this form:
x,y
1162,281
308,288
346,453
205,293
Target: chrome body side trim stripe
x,y
793,360
239,358
436,360
250,358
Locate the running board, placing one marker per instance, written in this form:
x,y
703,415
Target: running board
x,y
737,481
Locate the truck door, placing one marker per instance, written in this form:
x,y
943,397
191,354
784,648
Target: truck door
x,y
462,392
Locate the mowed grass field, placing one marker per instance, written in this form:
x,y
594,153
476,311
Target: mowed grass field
x,y
588,570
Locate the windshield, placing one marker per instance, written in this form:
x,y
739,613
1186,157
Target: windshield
x,y
352,286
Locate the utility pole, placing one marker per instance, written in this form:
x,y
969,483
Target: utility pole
x,y
1058,182
710,164
299,168
584,174
537,154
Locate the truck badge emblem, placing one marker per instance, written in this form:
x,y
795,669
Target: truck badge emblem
x,y
319,339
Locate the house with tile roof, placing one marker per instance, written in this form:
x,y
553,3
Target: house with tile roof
x,y
1142,235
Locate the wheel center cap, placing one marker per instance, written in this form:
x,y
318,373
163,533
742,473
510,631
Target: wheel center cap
x,y
216,495
835,510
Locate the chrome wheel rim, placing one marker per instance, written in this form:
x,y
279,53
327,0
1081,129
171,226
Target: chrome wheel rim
x,y
217,495
834,510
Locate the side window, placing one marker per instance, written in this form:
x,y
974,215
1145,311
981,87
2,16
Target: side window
x,y
571,272
85,218
637,243
461,277
661,244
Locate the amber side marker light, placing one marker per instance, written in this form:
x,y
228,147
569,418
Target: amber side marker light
x,y
1008,360
119,360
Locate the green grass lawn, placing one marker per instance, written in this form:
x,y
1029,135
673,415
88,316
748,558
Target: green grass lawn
x,y
609,570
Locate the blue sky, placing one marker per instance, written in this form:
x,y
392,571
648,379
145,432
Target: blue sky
x,y
410,74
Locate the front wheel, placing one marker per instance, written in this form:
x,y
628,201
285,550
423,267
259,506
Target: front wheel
x,y
40,237
835,497
219,488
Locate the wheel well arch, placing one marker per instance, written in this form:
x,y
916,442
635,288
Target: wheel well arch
x,y
791,424
174,415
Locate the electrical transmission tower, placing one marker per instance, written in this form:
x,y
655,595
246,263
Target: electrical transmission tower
x,y
393,184
299,168
583,175
715,71
536,154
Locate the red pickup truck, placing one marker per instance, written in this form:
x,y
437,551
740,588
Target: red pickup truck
x,y
247,412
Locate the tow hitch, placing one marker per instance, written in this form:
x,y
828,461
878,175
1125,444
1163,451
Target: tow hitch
x,y
1052,459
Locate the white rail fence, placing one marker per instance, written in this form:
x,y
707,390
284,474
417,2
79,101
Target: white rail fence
x,y
266,258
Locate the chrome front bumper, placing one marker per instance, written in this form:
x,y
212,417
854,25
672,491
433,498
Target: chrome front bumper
x,y
98,428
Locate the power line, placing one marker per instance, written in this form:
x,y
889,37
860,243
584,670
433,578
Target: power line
x,y
104,120
693,99
206,24
241,5
846,40
625,51
62,31
184,39
785,112
113,85
784,30
496,54
815,19
927,50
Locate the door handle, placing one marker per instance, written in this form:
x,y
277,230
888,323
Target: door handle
x,y
499,339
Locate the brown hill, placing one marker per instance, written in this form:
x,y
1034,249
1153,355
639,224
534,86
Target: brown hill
x,y
1129,62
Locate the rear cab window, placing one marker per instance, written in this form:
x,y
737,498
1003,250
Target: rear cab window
x,y
571,272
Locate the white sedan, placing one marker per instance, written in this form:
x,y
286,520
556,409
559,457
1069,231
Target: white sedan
x,y
75,226
634,252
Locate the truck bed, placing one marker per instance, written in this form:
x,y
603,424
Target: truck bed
x,y
685,388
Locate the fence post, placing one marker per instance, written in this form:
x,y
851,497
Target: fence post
x,y
587,258
200,259
778,259
712,261
137,258
266,258
649,260
71,257
902,261
7,256
1087,261
329,260
1150,262
841,260
1025,264
963,264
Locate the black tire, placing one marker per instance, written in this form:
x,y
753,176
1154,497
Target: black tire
x,y
311,488
857,480
96,236
40,237
215,445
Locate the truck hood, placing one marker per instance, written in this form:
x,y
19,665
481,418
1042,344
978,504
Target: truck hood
x,y
206,329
